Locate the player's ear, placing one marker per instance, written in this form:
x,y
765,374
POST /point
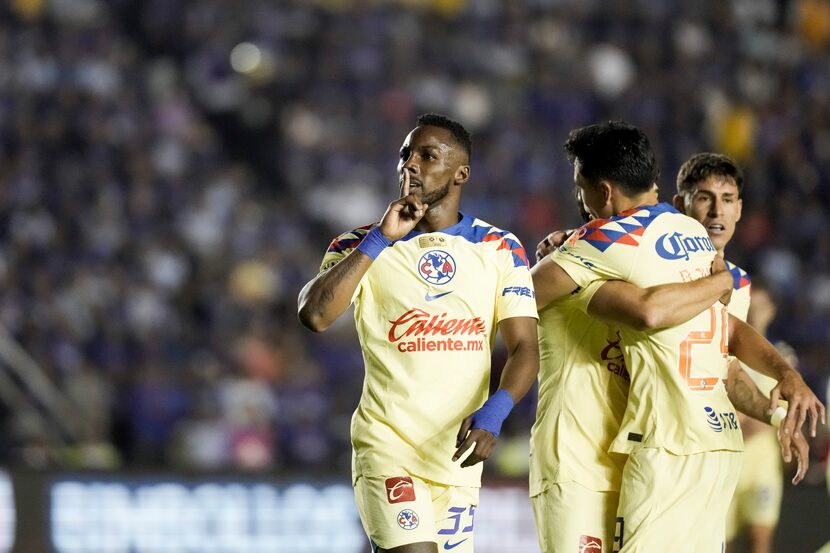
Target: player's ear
x,y
678,203
462,174
740,208
607,191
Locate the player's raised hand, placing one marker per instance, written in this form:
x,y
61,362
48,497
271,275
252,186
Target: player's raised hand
x,y
484,442
403,214
551,242
803,404
795,444
719,266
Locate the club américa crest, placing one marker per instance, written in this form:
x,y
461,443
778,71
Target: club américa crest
x,y
436,267
408,519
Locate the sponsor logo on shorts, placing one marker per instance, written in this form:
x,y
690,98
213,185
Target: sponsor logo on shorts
x,y
400,489
408,519
448,545
589,544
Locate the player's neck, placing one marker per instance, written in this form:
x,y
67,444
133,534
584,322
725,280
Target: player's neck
x,y
624,203
438,217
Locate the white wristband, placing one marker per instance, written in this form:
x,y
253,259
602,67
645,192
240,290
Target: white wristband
x,y
777,416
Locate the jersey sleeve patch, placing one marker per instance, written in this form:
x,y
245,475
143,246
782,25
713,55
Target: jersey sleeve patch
x,y
740,278
348,240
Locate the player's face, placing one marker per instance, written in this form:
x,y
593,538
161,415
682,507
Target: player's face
x,y
594,200
431,157
716,204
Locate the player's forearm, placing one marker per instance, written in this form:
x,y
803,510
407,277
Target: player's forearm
x,y
522,365
551,282
755,351
520,372
329,294
745,395
623,303
672,304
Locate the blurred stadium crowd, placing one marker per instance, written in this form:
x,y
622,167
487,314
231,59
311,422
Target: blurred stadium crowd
x,y
172,171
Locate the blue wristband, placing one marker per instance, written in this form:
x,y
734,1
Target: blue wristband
x,y
374,243
490,416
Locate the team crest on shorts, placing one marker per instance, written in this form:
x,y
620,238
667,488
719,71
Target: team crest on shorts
x,y
589,544
408,519
436,267
400,489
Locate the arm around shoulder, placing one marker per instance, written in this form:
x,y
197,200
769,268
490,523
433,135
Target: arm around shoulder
x,y
661,306
551,282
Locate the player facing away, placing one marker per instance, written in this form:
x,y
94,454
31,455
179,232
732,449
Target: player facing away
x,y
709,189
583,390
430,287
574,482
678,425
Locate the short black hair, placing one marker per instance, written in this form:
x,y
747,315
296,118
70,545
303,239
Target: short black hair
x,y
701,166
614,151
459,133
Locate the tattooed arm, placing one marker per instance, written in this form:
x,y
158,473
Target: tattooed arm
x,y
748,399
745,395
330,293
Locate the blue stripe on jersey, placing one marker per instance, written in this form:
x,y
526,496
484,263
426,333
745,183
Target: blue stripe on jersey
x,y
476,234
740,278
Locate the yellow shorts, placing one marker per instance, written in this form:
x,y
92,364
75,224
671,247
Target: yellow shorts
x,y
757,500
570,518
675,502
400,510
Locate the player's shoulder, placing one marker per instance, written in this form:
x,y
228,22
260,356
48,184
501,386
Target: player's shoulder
x,y
740,277
625,229
479,232
349,239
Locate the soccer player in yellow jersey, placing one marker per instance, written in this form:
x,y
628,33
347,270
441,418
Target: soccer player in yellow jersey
x,y
679,429
583,389
709,189
574,482
431,287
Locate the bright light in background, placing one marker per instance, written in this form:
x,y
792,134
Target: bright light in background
x,y
8,518
246,57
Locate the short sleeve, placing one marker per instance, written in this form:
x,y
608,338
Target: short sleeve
x,y
586,258
515,294
341,246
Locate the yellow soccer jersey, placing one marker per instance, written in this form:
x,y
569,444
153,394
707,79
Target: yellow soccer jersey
x,y
426,313
677,399
739,307
583,389
739,304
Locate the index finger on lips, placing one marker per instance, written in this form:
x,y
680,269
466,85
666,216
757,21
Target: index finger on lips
x,y
405,184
